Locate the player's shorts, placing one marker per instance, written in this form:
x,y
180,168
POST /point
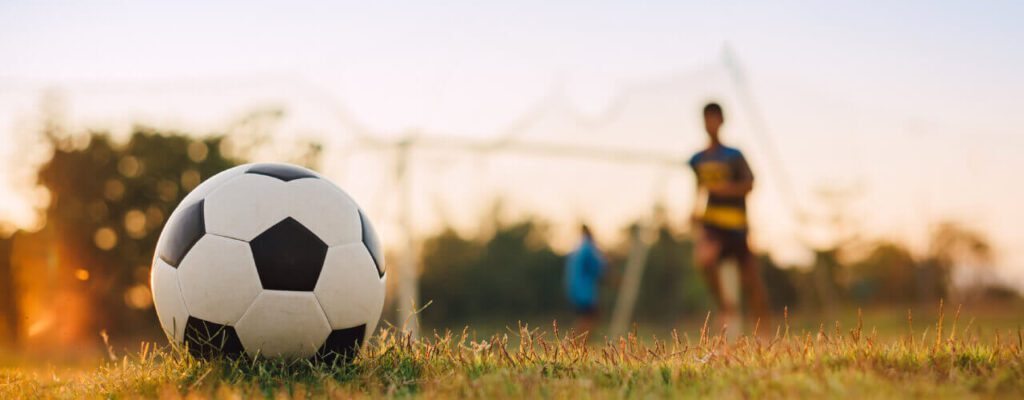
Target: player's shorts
x,y
733,242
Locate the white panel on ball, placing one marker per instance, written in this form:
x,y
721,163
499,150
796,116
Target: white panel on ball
x,y
200,192
245,206
170,307
283,324
326,210
218,279
349,289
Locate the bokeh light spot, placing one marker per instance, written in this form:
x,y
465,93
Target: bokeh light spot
x,y
135,224
190,179
154,217
197,151
138,297
129,167
98,211
113,190
105,238
167,190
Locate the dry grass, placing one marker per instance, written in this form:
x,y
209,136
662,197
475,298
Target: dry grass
x,y
945,360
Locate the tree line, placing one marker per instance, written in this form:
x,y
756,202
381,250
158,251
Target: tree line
x,y
87,268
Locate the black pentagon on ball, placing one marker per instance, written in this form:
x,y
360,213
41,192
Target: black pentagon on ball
x,y
182,232
283,172
372,243
342,345
288,256
206,339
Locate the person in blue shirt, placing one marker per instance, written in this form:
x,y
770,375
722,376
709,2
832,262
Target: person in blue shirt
x,y
584,269
724,180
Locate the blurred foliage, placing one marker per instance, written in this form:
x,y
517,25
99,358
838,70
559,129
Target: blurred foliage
x,y
511,275
87,269
887,275
671,286
781,283
9,321
108,203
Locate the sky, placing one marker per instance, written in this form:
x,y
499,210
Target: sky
x,y
915,103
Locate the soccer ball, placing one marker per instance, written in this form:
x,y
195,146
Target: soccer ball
x,y
269,260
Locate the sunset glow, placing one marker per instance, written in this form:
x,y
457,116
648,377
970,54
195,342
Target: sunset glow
x,y
917,120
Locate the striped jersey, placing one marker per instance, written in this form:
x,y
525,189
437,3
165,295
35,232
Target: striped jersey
x,y
718,165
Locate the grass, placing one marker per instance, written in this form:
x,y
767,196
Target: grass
x,y
945,360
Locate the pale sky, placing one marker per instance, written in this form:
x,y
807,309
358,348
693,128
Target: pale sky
x,y
915,101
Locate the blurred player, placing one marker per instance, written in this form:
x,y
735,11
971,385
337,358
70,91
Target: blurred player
x,y
720,222
583,271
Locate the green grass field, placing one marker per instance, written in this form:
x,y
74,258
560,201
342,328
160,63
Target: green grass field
x,y
949,357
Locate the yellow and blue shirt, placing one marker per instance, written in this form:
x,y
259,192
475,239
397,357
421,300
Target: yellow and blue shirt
x,y
720,165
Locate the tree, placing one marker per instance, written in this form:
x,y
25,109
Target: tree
x,y
510,275
9,313
955,250
888,275
782,292
108,202
672,287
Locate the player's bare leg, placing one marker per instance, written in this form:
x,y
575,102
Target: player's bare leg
x,y
731,318
708,253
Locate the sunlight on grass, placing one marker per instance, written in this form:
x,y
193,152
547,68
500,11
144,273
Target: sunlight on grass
x,y
941,361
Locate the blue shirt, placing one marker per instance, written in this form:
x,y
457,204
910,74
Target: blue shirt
x,y
583,269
